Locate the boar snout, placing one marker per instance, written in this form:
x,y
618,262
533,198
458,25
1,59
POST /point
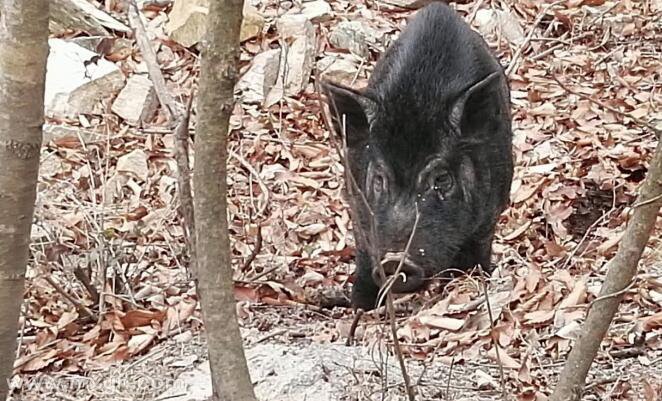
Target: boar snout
x,y
410,278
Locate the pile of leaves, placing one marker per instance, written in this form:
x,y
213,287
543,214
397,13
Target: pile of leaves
x,y
108,275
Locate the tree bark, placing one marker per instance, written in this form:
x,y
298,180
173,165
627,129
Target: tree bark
x,y
219,70
621,271
23,53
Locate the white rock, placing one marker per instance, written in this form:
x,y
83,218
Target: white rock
x,y
413,4
293,25
300,62
186,24
311,277
484,381
337,69
187,21
350,35
61,132
491,22
315,11
82,15
251,24
299,58
260,77
134,164
74,85
137,102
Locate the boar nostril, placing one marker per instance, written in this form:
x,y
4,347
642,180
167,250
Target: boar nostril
x,y
410,278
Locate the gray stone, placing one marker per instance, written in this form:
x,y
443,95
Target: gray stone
x,y
337,69
503,23
74,84
59,132
350,35
260,77
300,61
252,24
81,15
294,25
187,22
134,164
297,60
137,102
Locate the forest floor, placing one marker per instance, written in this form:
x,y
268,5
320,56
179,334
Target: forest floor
x,y
111,312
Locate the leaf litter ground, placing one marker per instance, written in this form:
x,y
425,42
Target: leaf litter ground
x,y
586,94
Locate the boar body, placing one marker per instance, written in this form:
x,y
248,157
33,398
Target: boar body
x,y
430,133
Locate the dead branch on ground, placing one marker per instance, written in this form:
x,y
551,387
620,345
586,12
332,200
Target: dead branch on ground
x,y
180,119
607,107
514,61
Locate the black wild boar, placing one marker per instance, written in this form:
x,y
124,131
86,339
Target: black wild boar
x,y
432,131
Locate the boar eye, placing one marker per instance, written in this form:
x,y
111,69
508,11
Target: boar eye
x,y
378,183
442,183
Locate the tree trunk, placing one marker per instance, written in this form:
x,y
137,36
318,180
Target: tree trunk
x,y
23,52
621,271
220,56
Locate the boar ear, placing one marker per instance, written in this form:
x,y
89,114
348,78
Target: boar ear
x,y
357,108
477,108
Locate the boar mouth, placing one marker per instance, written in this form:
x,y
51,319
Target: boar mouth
x,y
413,278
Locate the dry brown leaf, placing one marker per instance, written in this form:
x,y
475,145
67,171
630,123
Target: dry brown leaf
x,y
66,318
140,342
533,277
652,322
504,359
36,362
441,322
539,317
650,393
138,317
518,231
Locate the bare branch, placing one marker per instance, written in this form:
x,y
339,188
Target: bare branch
x,y
620,273
153,69
82,309
514,61
184,177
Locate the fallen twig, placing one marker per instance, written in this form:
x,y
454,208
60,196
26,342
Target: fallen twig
x,y
82,309
355,194
184,178
518,53
256,249
495,343
153,69
256,175
450,375
637,120
352,328
85,280
180,119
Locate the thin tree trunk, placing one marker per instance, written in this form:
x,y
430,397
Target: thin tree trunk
x,y
23,52
621,271
220,56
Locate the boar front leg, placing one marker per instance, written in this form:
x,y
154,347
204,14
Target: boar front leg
x,y
477,251
364,291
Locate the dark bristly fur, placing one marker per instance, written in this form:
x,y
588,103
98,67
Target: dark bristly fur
x,y
432,130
